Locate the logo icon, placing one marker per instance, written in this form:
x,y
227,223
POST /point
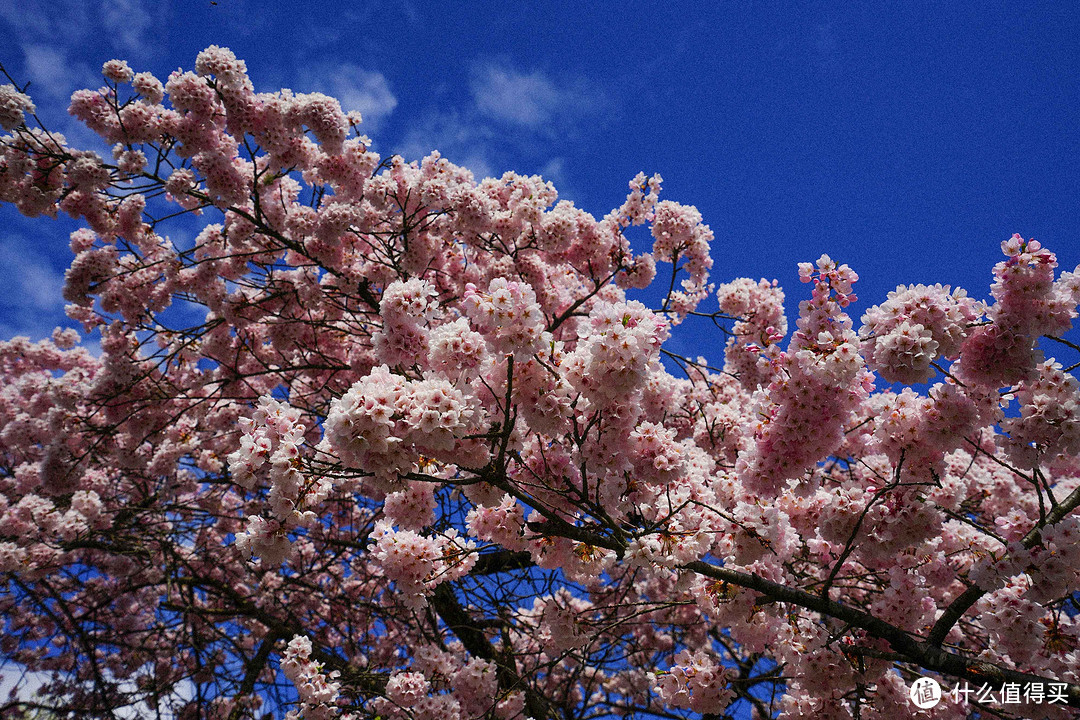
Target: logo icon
x,y
925,693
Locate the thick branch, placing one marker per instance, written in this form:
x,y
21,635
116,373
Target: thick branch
x,y
472,637
925,654
254,667
501,561
969,597
364,681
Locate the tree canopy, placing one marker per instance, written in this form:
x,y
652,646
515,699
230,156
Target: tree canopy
x,y
386,440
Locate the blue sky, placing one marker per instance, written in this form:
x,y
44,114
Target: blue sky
x,y
907,140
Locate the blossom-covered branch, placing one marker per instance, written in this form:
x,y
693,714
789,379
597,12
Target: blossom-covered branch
x,y
388,440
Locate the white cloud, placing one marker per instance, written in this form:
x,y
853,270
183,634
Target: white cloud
x,y
356,88
531,100
52,77
58,21
46,68
49,71
26,684
555,171
513,97
54,37
127,22
458,138
65,26
513,116
31,302
14,676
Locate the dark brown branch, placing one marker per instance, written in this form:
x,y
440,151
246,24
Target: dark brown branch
x,y
925,654
254,667
501,561
969,597
446,604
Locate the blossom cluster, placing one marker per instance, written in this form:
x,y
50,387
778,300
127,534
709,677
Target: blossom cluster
x,y
761,325
38,518
508,315
500,524
818,382
405,308
1028,303
916,431
680,238
615,352
409,696
384,422
916,325
272,437
696,682
318,691
13,106
417,563
494,497
1048,427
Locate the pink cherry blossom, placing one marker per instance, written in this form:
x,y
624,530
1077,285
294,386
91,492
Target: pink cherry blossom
x,y
363,437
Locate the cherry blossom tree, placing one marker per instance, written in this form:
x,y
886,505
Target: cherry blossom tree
x,y
385,440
